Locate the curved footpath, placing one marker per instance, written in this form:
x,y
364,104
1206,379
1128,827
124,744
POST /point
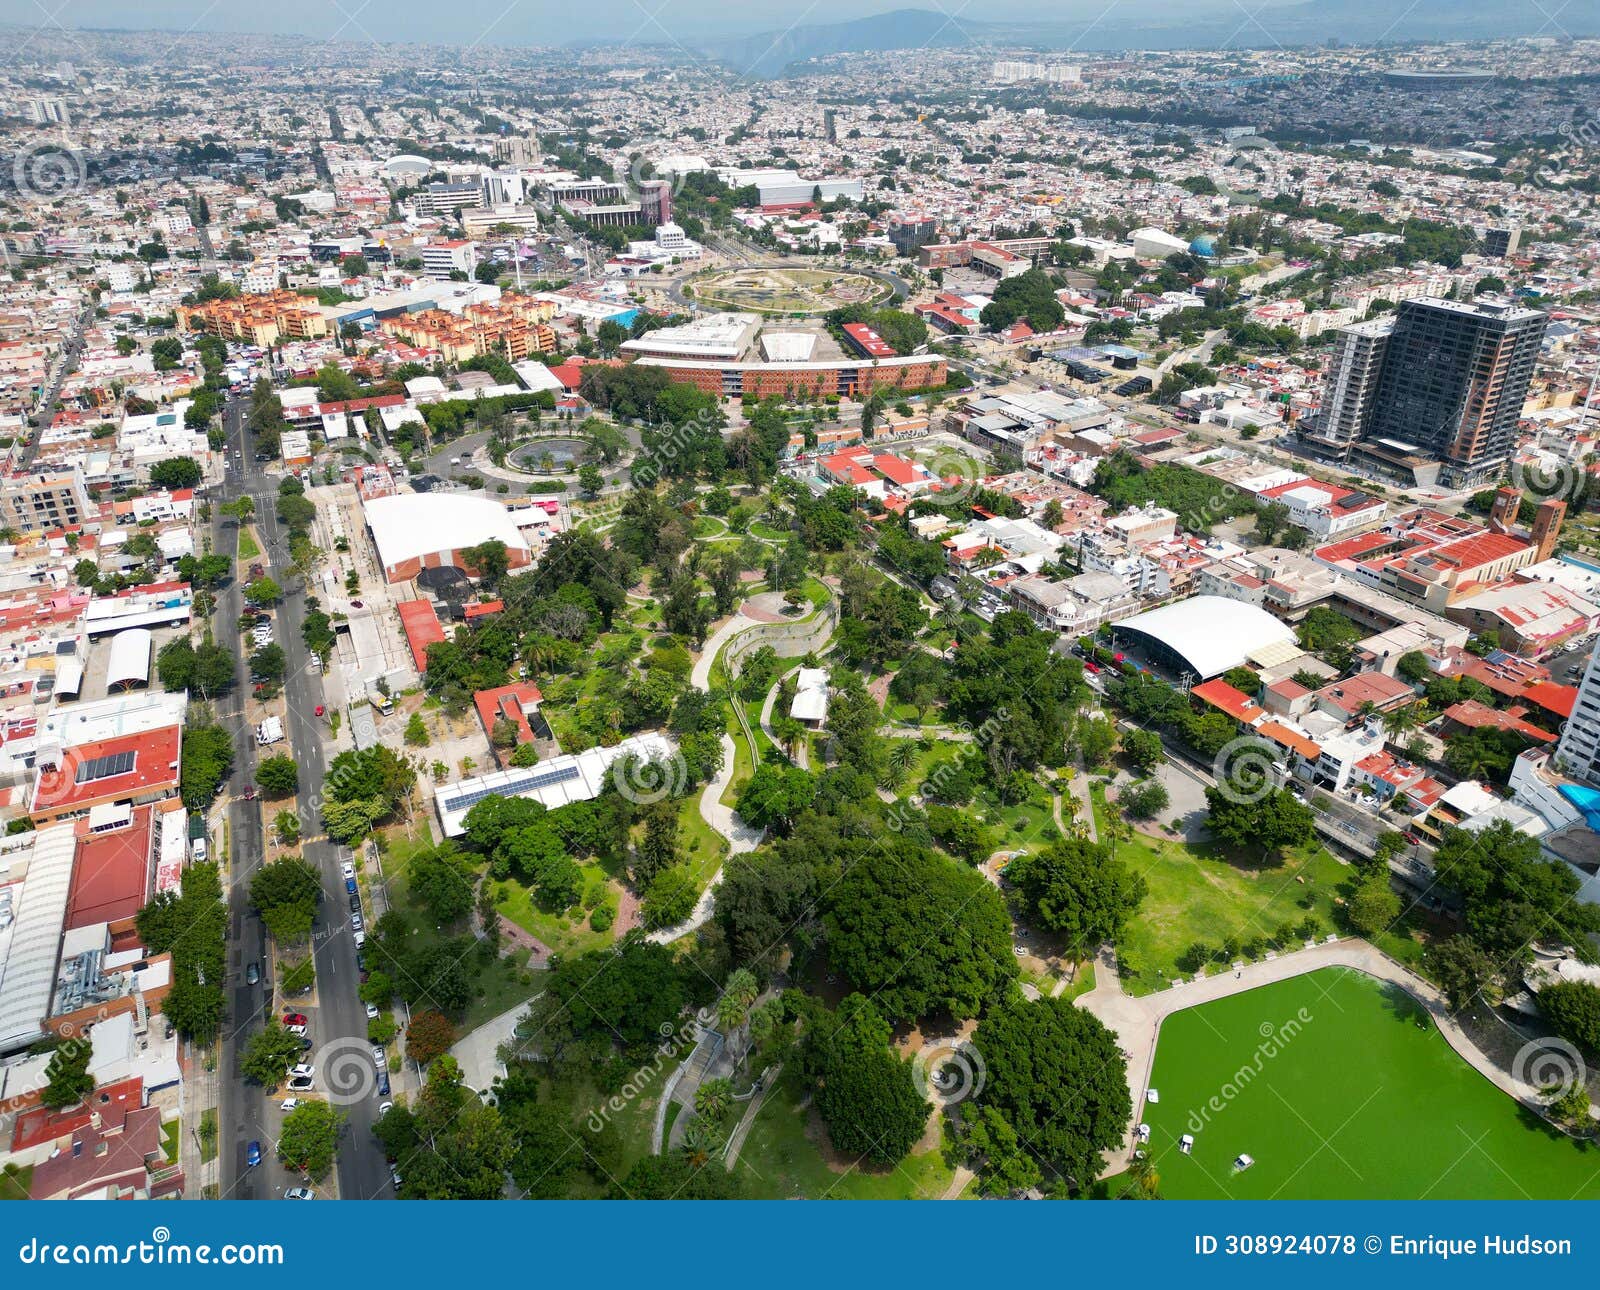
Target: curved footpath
x,y
1137,1021
722,818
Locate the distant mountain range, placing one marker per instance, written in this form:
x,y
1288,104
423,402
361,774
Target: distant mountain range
x,y
1353,22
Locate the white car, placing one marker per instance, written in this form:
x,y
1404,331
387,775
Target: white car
x,y
301,1083
347,870
297,1031
380,1059
394,1173
289,1104
385,1107
360,937
372,1011
299,1193
302,1071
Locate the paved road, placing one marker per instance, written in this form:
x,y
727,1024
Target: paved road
x,y
70,353
338,1022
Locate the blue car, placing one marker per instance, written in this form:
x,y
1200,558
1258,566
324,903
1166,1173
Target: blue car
x,y
350,885
252,1154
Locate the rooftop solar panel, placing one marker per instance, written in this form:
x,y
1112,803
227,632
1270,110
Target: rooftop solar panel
x,y
104,767
513,787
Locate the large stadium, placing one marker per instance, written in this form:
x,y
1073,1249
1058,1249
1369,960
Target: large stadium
x,y
787,291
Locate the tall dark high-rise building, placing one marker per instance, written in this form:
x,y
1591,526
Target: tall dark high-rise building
x,y
1434,391
655,201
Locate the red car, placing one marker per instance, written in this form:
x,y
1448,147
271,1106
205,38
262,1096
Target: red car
x,y
294,1018
1091,667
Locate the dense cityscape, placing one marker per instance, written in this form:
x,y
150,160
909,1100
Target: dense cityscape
x,y
953,620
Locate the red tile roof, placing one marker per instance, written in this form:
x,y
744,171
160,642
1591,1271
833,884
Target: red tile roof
x,y
422,629
111,872
511,702
40,1124
155,767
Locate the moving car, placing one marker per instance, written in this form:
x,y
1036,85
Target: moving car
x,y
252,1154
252,974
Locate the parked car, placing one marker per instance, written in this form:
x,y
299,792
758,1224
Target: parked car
x,y
294,1018
379,1057
302,1071
299,1193
298,1031
385,1107
383,1084
394,1173
252,974
355,922
348,870
372,1011
355,903
350,885
252,1154
301,1083
289,1104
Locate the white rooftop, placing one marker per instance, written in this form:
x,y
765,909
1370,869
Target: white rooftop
x,y
409,526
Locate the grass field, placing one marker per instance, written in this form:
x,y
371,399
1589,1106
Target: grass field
x,y
1200,894
1330,1083
248,550
781,1159
15,1182
788,291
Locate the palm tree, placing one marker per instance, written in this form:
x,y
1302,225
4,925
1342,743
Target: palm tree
x,y
713,1098
739,993
903,758
1401,721
701,1141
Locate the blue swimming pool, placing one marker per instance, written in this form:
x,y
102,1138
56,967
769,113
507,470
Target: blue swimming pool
x,y
1586,799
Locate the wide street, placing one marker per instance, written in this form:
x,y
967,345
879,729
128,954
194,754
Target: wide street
x,y
337,1019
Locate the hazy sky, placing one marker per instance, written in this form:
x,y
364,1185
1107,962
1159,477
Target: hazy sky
x,y
555,22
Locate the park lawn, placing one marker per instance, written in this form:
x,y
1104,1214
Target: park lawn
x,y
171,1135
761,529
1081,984
781,1160
1408,1120
709,526
1198,895
498,984
703,847
16,1182
248,550
1023,826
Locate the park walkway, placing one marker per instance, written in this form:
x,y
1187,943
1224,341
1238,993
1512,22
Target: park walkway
x,y
1137,1021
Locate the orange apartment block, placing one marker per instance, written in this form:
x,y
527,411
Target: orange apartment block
x,y
514,327
257,320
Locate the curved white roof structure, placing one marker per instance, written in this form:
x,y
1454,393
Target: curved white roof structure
x,y
130,658
1209,634
410,526
405,163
